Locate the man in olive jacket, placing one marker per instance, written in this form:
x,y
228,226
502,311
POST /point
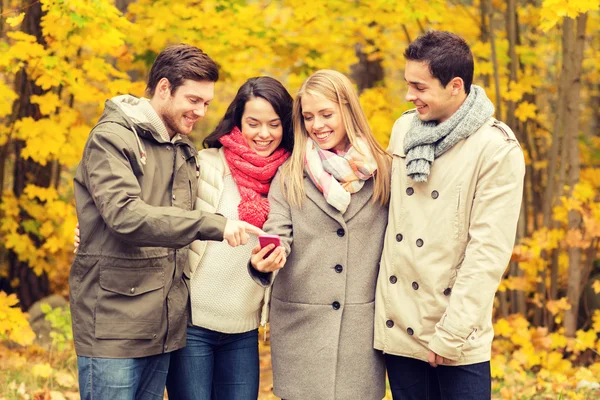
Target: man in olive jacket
x,y
457,183
134,189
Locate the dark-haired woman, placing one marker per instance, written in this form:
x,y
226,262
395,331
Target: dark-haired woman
x,y
220,359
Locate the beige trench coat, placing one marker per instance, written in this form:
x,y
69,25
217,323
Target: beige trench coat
x,y
447,245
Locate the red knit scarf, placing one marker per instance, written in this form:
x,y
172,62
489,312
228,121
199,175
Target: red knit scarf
x,y
252,174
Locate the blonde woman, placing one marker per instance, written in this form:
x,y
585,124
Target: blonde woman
x,y
329,207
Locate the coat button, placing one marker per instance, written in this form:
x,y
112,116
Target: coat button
x,y
435,194
132,290
335,305
389,323
419,242
338,268
340,232
169,148
410,331
393,279
173,197
415,285
410,191
447,291
154,336
399,237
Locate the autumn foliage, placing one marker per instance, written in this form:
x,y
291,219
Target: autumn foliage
x,y
538,61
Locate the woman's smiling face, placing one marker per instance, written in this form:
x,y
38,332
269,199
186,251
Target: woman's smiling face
x,y
323,122
261,126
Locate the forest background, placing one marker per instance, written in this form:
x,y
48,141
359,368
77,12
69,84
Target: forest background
x,y
537,59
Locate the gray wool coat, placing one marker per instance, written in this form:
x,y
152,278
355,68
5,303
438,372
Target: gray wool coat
x,y
323,299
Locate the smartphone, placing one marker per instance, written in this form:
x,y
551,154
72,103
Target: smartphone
x,y
265,240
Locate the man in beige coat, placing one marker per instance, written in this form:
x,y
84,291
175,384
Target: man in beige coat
x,y
457,182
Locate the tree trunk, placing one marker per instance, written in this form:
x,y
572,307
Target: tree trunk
x,y
553,284
31,287
484,35
573,72
490,13
511,33
123,4
511,121
366,73
557,135
555,179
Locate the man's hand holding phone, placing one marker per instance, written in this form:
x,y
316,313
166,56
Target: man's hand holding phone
x,y
269,255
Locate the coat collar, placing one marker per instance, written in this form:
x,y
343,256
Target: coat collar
x,y
359,200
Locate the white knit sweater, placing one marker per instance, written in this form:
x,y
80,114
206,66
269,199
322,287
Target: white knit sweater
x,y
224,297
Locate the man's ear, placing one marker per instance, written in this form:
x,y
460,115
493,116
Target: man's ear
x,y
457,85
163,88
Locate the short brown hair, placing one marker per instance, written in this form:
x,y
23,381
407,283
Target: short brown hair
x,y
447,54
178,63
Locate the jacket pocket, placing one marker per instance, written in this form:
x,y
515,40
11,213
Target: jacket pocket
x,y
129,303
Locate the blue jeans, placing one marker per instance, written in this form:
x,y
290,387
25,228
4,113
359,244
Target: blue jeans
x,y
412,379
215,365
123,378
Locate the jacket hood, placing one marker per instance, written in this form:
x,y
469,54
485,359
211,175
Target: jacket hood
x,y
138,115
133,112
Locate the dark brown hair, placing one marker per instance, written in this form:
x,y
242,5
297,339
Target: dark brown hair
x,y
264,87
447,54
178,63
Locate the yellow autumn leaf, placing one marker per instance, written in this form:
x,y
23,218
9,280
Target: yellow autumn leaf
x,y
556,306
65,379
13,322
559,340
555,363
56,395
498,366
585,340
596,322
21,36
526,111
560,214
48,102
596,286
503,328
7,97
584,192
42,370
14,21
44,194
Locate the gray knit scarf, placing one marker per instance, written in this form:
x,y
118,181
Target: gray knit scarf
x,y
427,140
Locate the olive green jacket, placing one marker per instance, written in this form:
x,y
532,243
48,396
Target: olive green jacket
x,y
134,192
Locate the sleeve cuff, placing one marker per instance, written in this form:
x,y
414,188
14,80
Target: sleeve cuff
x,y
448,339
212,227
264,279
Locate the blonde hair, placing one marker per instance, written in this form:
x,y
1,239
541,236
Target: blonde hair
x,y
337,88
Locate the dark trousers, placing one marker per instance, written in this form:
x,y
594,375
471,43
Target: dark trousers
x,y
412,379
